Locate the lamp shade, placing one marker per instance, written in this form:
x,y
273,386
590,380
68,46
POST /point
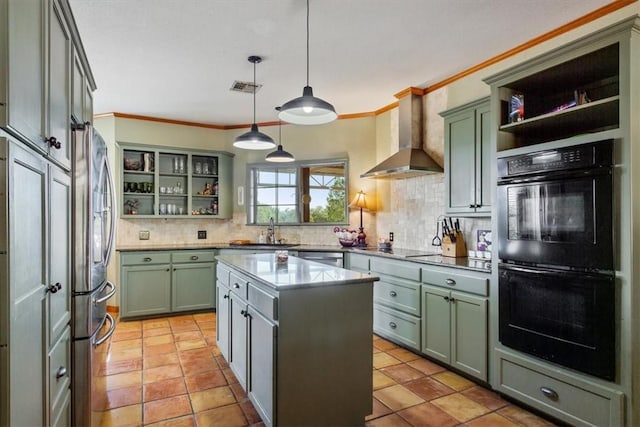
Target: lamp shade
x,y
307,110
254,140
359,201
280,156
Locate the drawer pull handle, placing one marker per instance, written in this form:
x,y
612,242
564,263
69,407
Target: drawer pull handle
x,y
451,282
392,293
194,257
225,296
61,372
147,259
236,286
392,325
550,393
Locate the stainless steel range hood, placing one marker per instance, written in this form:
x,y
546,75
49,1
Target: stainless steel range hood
x,y
411,160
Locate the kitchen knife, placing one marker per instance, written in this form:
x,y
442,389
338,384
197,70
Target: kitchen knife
x,y
457,224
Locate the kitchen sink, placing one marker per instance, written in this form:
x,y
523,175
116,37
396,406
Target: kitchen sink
x,y
264,245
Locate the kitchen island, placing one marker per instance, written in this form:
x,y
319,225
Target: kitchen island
x,y
298,337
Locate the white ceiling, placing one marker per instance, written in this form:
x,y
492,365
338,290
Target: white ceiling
x,y
177,59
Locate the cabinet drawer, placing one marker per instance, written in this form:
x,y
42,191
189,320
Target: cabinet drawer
x,y
456,281
399,294
192,256
401,269
60,370
397,326
265,303
151,257
359,262
548,391
238,285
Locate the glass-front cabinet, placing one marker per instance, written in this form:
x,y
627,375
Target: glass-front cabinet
x,y
160,182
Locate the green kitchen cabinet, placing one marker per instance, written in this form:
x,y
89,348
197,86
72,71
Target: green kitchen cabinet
x,y
162,282
145,290
238,333
193,286
222,310
455,329
468,159
262,342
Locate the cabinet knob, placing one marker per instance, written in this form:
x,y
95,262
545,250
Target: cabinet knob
x,y
147,259
550,393
174,269
472,206
452,300
225,296
53,142
194,257
392,325
450,282
54,288
236,286
168,269
446,299
392,293
61,372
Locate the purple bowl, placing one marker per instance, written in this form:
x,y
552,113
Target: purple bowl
x,y
348,243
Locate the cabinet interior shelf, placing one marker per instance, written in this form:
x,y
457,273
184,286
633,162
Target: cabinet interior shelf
x,y
202,175
204,196
167,195
129,193
138,172
173,174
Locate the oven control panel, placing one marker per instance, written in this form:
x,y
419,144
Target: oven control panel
x,y
575,157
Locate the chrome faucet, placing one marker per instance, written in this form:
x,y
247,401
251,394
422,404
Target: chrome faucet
x,y
271,237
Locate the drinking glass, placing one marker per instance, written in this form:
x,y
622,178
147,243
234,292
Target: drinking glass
x,y
198,168
163,209
181,165
180,210
176,165
205,168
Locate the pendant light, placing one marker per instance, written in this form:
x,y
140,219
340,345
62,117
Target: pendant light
x,y
280,156
307,109
254,139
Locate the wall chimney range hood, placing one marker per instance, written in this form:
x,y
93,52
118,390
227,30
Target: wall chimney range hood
x,y
411,160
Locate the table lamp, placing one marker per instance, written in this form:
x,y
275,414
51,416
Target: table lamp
x,y
360,201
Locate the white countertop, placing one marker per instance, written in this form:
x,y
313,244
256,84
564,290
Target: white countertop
x,y
295,273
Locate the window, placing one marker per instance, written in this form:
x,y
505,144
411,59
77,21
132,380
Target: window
x,y
308,192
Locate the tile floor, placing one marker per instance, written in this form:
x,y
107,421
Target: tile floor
x,y
169,372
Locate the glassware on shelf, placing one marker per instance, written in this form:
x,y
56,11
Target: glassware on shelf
x,y
181,164
198,168
178,188
176,165
205,168
163,209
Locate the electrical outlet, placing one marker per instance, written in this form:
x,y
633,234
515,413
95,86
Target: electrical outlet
x,y
143,235
202,234
391,236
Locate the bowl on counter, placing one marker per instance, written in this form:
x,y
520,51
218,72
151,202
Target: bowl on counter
x,y
384,246
347,243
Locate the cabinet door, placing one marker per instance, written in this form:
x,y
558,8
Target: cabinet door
x,y
460,162
261,381
77,90
25,72
27,287
483,159
222,319
436,328
58,111
59,252
469,334
193,286
145,289
238,341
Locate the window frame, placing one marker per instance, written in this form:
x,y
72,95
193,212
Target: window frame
x,y
252,176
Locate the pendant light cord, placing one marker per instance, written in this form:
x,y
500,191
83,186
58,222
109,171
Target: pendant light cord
x,y
307,42
254,92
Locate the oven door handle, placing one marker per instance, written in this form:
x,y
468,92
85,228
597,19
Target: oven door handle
x,y
555,176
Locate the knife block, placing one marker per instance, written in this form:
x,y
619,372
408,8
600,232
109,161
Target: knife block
x,y
455,250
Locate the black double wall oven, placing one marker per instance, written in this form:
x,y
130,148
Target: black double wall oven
x,y
555,244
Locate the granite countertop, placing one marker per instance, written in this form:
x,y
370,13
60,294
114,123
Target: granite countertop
x,y
294,273
423,257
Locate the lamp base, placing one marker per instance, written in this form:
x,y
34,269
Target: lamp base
x,y
362,237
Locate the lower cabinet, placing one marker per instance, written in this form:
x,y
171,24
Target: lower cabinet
x,y
162,282
262,333
455,329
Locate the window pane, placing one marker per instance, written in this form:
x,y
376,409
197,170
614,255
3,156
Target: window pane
x,y
266,177
287,196
266,196
287,214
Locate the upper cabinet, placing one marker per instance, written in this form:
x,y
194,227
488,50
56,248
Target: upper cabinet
x,y
572,92
467,138
177,184
40,39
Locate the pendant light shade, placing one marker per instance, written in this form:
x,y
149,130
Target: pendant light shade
x,y
307,109
280,156
254,139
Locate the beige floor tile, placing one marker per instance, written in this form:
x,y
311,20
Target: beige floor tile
x,y
397,397
127,379
190,344
163,409
161,373
163,359
127,416
522,417
427,415
485,397
402,373
428,388
227,416
154,323
403,354
380,380
211,398
384,345
454,381
129,325
392,420
124,335
125,344
158,339
164,389
185,421
159,349
491,420
460,407
382,360
125,396
188,335
205,380
165,330
426,366
379,410
113,367
125,354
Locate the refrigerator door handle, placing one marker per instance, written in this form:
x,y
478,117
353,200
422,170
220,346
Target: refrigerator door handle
x,y
109,295
106,336
112,211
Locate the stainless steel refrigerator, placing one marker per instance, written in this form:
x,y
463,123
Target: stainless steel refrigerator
x,y
93,219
